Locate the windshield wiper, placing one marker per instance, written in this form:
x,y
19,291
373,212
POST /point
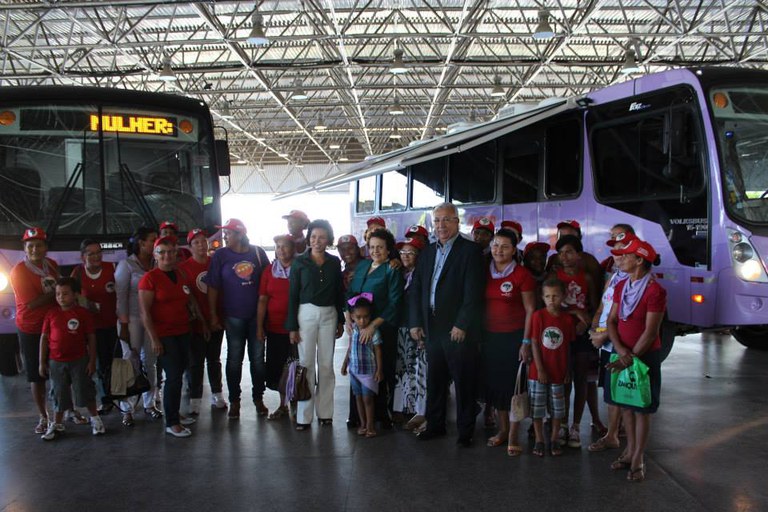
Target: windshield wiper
x,y
53,224
133,187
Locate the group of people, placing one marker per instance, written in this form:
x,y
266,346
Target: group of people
x,y
419,315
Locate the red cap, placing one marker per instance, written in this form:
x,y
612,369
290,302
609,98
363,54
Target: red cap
x,y
379,221
169,224
532,246
416,230
286,236
483,223
347,239
34,233
418,243
193,233
638,248
234,225
514,226
163,240
569,224
622,238
297,214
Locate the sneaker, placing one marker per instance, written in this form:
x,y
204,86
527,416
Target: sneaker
x,y
194,406
54,430
217,401
186,420
75,417
574,438
184,432
97,426
563,434
42,425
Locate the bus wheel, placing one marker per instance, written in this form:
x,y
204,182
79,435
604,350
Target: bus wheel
x,y
752,336
668,333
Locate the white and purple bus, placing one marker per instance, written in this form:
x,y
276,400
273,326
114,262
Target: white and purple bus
x,y
95,163
682,156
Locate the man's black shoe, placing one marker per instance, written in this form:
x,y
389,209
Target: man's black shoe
x,y
464,442
430,434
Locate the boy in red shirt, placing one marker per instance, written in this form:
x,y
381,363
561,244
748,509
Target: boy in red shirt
x,y
552,331
68,354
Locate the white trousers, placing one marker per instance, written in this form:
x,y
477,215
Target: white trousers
x,y
142,345
317,328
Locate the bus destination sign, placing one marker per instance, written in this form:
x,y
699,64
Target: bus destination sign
x,y
126,123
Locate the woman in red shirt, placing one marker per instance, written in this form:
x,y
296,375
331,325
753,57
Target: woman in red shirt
x,y
634,322
271,313
165,302
34,287
509,303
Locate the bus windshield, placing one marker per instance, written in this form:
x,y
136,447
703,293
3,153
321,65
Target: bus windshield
x,y
741,124
100,169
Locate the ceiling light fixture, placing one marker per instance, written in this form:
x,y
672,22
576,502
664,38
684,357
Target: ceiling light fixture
x,y
497,91
396,109
320,126
630,63
395,134
258,36
398,67
334,146
167,74
544,30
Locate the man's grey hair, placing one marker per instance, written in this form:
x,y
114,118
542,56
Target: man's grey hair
x,y
446,206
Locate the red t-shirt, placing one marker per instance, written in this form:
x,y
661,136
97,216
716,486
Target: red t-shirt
x,y
67,333
553,334
195,273
27,286
654,300
100,291
277,307
575,289
169,308
504,310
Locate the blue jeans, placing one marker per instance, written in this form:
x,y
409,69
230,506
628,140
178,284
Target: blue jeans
x,y
242,332
175,360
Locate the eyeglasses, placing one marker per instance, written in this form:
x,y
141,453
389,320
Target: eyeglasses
x,y
444,220
408,253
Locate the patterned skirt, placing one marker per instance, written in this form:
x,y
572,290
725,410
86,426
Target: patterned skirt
x,y
411,374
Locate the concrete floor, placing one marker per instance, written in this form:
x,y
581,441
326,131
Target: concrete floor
x,y
707,452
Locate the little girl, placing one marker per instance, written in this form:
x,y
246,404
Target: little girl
x,y
364,362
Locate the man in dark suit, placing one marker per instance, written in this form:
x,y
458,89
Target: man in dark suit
x,y
445,308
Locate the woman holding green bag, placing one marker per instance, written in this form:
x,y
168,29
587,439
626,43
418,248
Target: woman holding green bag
x,y
634,322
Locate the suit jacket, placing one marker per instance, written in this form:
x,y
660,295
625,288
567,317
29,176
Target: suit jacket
x,y
459,294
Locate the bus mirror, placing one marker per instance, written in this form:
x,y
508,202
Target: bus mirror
x,y
222,158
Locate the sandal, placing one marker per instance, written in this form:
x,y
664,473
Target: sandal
x,y
153,412
514,451
325,421
75,417
415,422
555,450
278,413
600,429
601,445
621,463
495,441
42,425
361,431
370,433
538,449
128,420
636,475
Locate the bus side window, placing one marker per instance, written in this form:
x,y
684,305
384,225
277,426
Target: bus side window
x,y
472,174
394,190
428,183
366,195
562,173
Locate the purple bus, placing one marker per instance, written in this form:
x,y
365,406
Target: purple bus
x,y
679,155
95,163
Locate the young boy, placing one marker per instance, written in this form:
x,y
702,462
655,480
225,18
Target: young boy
x,y
365,364
552,331
68,354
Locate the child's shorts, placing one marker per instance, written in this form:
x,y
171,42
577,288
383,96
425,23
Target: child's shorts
x,y
358,389
71,374
541,394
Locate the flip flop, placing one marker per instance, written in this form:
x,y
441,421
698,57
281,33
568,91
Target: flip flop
x,y
601,445
620,463
555,450
370,433
514,451
636,475
494,441
538,449
362,431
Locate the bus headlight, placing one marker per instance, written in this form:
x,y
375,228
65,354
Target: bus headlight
x,y
746,262
3,281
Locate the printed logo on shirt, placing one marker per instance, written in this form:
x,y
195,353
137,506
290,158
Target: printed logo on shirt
x,y
244,270
506,287
48,283
552,338
186,289
200,282
110,287
73,324
574,296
